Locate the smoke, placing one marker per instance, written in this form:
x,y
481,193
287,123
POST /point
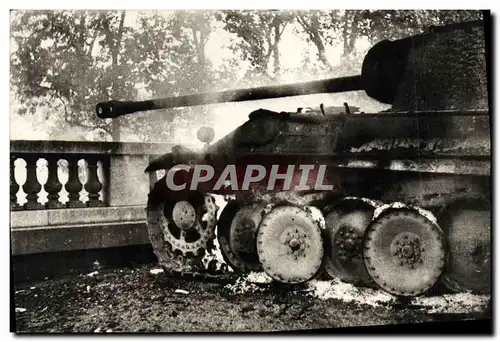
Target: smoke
x,y
227,70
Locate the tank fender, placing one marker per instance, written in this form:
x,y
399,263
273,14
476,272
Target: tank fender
x,y
179,155
164,162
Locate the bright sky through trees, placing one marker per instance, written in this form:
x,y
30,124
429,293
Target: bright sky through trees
x,y
64,62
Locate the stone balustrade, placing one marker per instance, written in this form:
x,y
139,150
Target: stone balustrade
x,y
68,195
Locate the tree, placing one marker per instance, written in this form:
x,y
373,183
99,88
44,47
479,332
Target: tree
x,y
377,25
330,28
169,51
70,61
316,24
67,61
260,34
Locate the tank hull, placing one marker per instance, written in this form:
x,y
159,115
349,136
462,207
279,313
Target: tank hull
x,y
367,148
432,162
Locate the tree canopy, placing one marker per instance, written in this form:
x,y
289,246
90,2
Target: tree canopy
x,y
64,62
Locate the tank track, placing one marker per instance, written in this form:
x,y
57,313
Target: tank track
x,y
179,266
192,267
178,270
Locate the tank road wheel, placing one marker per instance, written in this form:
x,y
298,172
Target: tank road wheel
x,y
236,231
404,252
345,224
468,233
181,231
290,245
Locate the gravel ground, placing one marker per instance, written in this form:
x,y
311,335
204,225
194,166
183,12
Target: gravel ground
x,y
143,299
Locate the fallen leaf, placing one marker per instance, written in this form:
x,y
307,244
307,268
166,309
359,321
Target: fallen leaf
x,y
156,271
182,291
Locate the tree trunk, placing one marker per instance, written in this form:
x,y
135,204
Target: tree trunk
x,y
276,52
201,26
345,32
115,51
350,32
201,54
312,30
354,33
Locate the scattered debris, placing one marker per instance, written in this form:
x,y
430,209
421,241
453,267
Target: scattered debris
x,y
247,308
346,292
452,303
181,291
269,308
278,310
213,260
253,282
156,270
259,278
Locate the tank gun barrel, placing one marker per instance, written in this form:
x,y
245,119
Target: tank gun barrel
x,y
113,109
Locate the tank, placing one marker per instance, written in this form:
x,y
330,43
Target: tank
x,y
398,200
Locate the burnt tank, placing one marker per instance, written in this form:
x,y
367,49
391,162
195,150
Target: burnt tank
x,y
398,199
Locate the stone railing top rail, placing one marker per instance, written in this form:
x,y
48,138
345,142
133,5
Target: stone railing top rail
x,y
88,147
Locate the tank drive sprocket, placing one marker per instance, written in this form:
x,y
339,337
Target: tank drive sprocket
x,y
290,244
467,227
181,231
236,232
345,224
404,252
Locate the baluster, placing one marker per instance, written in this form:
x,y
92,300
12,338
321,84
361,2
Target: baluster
x,y
53,185
14,187
105,177
73,186
93,185
32,186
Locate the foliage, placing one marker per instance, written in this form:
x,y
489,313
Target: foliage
x,y
260,34
67,61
